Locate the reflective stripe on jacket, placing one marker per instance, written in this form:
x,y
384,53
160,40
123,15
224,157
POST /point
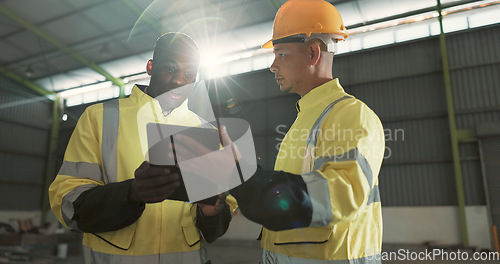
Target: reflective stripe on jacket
x,y
336,144
106,147
195,256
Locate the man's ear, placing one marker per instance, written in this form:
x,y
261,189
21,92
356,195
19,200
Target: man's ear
x,y
149,66
314,51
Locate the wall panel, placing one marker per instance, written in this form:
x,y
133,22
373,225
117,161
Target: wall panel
x,y
25,121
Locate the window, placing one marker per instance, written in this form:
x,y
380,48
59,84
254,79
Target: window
x,y
375,39
411,32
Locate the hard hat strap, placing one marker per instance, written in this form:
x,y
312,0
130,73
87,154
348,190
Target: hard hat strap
x,y
290,39
330,40
332,47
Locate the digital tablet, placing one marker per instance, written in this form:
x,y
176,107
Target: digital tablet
x,y
161,142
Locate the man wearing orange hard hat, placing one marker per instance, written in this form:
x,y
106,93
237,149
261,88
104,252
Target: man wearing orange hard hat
x,y
321,204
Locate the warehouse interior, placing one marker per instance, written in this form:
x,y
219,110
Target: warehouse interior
x,y
435,85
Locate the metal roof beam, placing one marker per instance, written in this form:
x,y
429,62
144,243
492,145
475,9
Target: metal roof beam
x,y
27,83
134,8
117,81
55,18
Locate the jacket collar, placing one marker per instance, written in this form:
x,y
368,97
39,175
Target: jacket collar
x,y
140,97
323,94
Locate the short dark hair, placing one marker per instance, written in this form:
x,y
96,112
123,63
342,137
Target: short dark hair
x,y
171,42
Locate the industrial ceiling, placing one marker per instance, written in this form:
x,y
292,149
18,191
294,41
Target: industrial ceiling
x,y
58,45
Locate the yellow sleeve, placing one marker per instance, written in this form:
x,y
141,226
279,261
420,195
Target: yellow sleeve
x,y
348,156
231,201
81,168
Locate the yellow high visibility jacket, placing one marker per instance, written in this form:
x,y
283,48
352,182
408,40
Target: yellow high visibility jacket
x,y
106,147
337,145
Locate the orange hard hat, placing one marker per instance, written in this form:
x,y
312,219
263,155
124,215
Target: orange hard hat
x,y
306,17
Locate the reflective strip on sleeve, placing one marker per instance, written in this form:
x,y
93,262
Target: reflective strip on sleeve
x,y
353,154
67,208
269,257
374,195
81,170
313,135
188,257
110,123
317,187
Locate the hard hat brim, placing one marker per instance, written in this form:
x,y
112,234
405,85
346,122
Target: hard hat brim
x,y
268,45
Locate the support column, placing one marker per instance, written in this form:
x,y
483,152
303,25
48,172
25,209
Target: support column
x,y
453,130
50,166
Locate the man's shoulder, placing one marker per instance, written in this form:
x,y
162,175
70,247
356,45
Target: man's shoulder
x,y
94,109
98,107
350,109
347,102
